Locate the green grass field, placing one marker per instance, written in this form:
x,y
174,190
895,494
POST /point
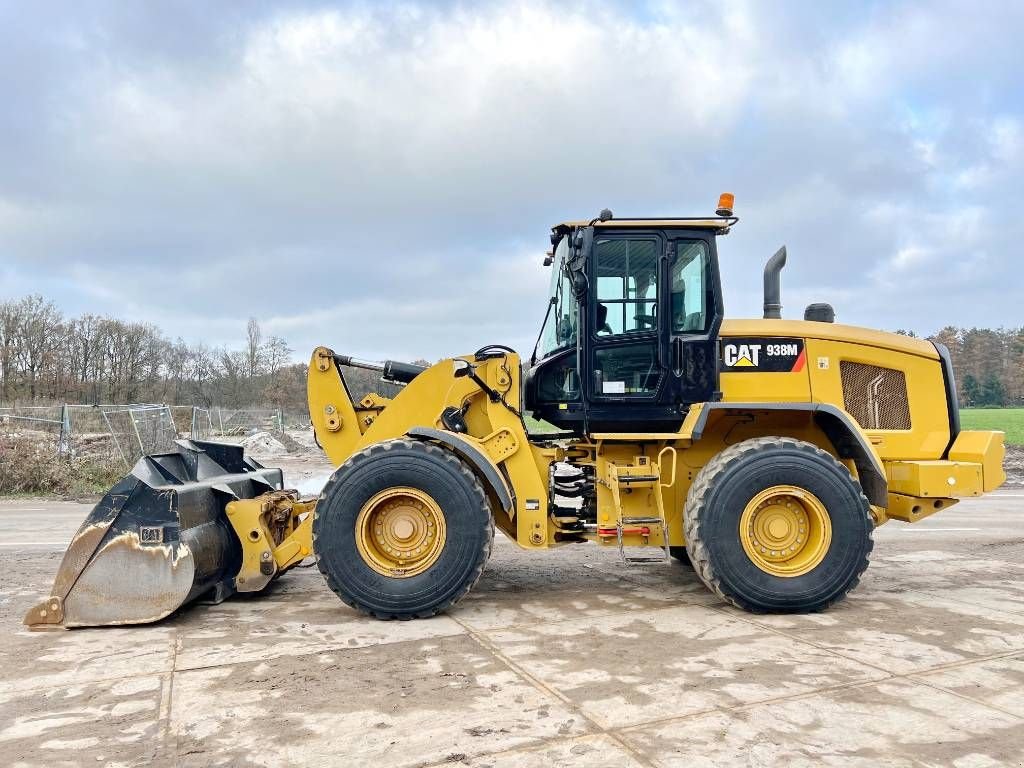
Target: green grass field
x,y
1009,420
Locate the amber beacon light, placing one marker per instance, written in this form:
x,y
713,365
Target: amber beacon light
x,y
725,202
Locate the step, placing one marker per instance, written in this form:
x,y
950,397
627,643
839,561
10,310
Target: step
x,y
642,525
643,473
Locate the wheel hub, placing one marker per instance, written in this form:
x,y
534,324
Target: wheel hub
x,y
400,532
785,531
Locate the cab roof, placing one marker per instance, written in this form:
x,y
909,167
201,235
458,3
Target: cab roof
x,y
718,224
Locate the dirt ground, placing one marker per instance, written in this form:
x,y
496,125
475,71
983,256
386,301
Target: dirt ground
x,y
564,658
1014,466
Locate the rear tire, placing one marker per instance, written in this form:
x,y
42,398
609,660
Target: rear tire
x,y
421,480
792,493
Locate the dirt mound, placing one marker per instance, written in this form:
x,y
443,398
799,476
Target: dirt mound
x,y
264,444
290,444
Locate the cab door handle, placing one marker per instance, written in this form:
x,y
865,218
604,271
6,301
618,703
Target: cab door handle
x,y
677,356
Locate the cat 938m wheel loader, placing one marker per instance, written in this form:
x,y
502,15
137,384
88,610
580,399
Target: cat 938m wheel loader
x,y
763,452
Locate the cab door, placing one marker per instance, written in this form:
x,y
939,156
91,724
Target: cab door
x,y
694,314
625,373
649,343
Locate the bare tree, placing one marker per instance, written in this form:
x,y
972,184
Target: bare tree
x,y
37,323
84,351
176,361
201,370
276,353
233,370
8,347
253,350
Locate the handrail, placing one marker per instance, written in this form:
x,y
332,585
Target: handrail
x,y
675,456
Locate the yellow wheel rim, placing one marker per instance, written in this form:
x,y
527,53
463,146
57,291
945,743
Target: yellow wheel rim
x,y
786,531
400,532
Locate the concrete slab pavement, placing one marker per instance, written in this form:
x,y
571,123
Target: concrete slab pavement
x,y
565,658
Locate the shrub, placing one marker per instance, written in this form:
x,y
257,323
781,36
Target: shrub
x,y
31,464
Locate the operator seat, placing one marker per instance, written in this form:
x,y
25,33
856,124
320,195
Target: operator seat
x,y
602,319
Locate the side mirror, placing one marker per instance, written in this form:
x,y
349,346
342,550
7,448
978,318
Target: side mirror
x,y
583,246
579,285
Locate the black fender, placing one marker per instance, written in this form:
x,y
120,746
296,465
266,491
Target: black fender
x,y
952,404
844,434
472,455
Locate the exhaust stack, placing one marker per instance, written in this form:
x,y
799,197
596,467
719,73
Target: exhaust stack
x,y
773,285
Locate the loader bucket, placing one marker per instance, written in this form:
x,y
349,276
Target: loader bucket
x,y
158,540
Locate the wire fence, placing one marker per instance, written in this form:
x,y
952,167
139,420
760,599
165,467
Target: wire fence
x,y
129,432
244,422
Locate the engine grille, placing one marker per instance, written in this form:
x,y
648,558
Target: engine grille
x,y
876,397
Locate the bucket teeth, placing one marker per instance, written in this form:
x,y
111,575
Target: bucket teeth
x,y
158,539
48,612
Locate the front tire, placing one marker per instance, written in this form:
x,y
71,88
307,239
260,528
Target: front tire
x,y
776,524
403,530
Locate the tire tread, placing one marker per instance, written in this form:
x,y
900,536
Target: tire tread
x,y
705,481
374,451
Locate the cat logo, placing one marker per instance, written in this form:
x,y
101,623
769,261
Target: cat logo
x,y
741,355
763,355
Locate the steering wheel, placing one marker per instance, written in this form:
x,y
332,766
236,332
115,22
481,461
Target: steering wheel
x,y
646,322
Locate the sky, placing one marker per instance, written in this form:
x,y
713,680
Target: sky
x,y
381,178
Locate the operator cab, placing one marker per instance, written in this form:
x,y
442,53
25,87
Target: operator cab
x,y
630,337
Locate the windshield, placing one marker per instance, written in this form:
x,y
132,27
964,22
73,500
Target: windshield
x,y
560,326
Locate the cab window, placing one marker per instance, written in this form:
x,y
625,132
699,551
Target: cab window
x,y
689,285
629,370
560,327
627,286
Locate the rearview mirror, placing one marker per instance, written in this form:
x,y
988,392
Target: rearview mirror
x,y
583,245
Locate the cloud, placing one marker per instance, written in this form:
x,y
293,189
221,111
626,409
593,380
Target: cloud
x,y
381,178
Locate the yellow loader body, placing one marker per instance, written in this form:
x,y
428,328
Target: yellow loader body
x,y
761,452
925,472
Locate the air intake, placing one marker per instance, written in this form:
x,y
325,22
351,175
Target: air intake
x,y
876,397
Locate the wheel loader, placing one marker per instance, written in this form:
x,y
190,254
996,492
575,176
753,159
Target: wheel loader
x,y
762,453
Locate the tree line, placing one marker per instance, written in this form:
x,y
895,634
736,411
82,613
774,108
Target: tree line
x,y
988,364
45,356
